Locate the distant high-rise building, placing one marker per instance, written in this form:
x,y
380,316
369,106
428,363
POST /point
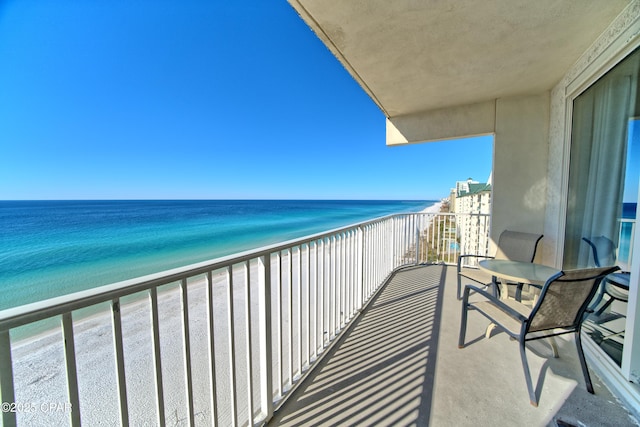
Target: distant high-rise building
x,y
472,199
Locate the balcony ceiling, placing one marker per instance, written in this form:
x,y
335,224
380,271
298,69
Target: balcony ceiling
x,y
415,56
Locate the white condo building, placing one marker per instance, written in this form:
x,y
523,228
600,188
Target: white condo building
x,y
472,197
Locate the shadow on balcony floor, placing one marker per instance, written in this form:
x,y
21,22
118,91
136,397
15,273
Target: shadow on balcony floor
x,y
399,364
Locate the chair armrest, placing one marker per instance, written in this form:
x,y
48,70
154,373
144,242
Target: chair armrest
x,y
616,279
460,257
475,256
510,311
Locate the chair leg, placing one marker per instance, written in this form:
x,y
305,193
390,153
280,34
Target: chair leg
x,y
583,363
554,347
519,292
494,284
593,306
527,374
604,307
490,327
463,319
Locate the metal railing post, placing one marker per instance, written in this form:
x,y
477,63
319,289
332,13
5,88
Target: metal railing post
x,y
361,266
231,343
417,237
266,331
7,396
72,372
157,358
248,339
119,355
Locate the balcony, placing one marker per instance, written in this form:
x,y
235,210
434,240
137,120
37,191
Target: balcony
x,y
399,365
352,326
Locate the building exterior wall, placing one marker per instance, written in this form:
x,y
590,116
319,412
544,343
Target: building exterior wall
x,y
520,164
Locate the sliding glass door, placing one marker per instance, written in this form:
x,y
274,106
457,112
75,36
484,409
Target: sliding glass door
x,y
604,174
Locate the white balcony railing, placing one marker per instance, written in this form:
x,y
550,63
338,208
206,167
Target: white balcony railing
x,y
218,343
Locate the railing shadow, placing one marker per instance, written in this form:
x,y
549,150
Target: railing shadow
x,y
381,372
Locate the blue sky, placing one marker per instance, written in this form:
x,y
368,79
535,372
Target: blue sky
x,y
196,99
633,163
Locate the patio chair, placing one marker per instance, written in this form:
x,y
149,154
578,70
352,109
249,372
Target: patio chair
x,y
559,310
616,285
512,245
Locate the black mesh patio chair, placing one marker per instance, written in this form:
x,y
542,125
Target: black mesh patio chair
x,y
512,245
560,309
616,285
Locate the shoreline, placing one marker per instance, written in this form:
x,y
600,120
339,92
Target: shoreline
x,y
433,209
44,333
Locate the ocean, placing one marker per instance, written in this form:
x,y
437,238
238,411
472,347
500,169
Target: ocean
x,y
52,248
626,233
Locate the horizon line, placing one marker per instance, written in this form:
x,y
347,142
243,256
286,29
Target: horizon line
x,y
218,199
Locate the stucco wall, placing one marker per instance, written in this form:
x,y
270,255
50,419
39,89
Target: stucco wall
x,y
520,164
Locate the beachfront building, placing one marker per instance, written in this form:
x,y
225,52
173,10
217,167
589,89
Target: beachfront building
x,y
473,197
555,83
473,204
461,186
451,200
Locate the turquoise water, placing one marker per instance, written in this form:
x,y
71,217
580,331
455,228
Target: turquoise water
x,y
626,228
52,248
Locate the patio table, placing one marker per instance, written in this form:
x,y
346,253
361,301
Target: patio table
x,y
518,271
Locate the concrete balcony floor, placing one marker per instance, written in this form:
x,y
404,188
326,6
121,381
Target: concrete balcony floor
x,y
399,364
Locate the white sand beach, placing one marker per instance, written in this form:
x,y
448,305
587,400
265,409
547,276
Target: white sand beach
x,y
40,379
435,208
